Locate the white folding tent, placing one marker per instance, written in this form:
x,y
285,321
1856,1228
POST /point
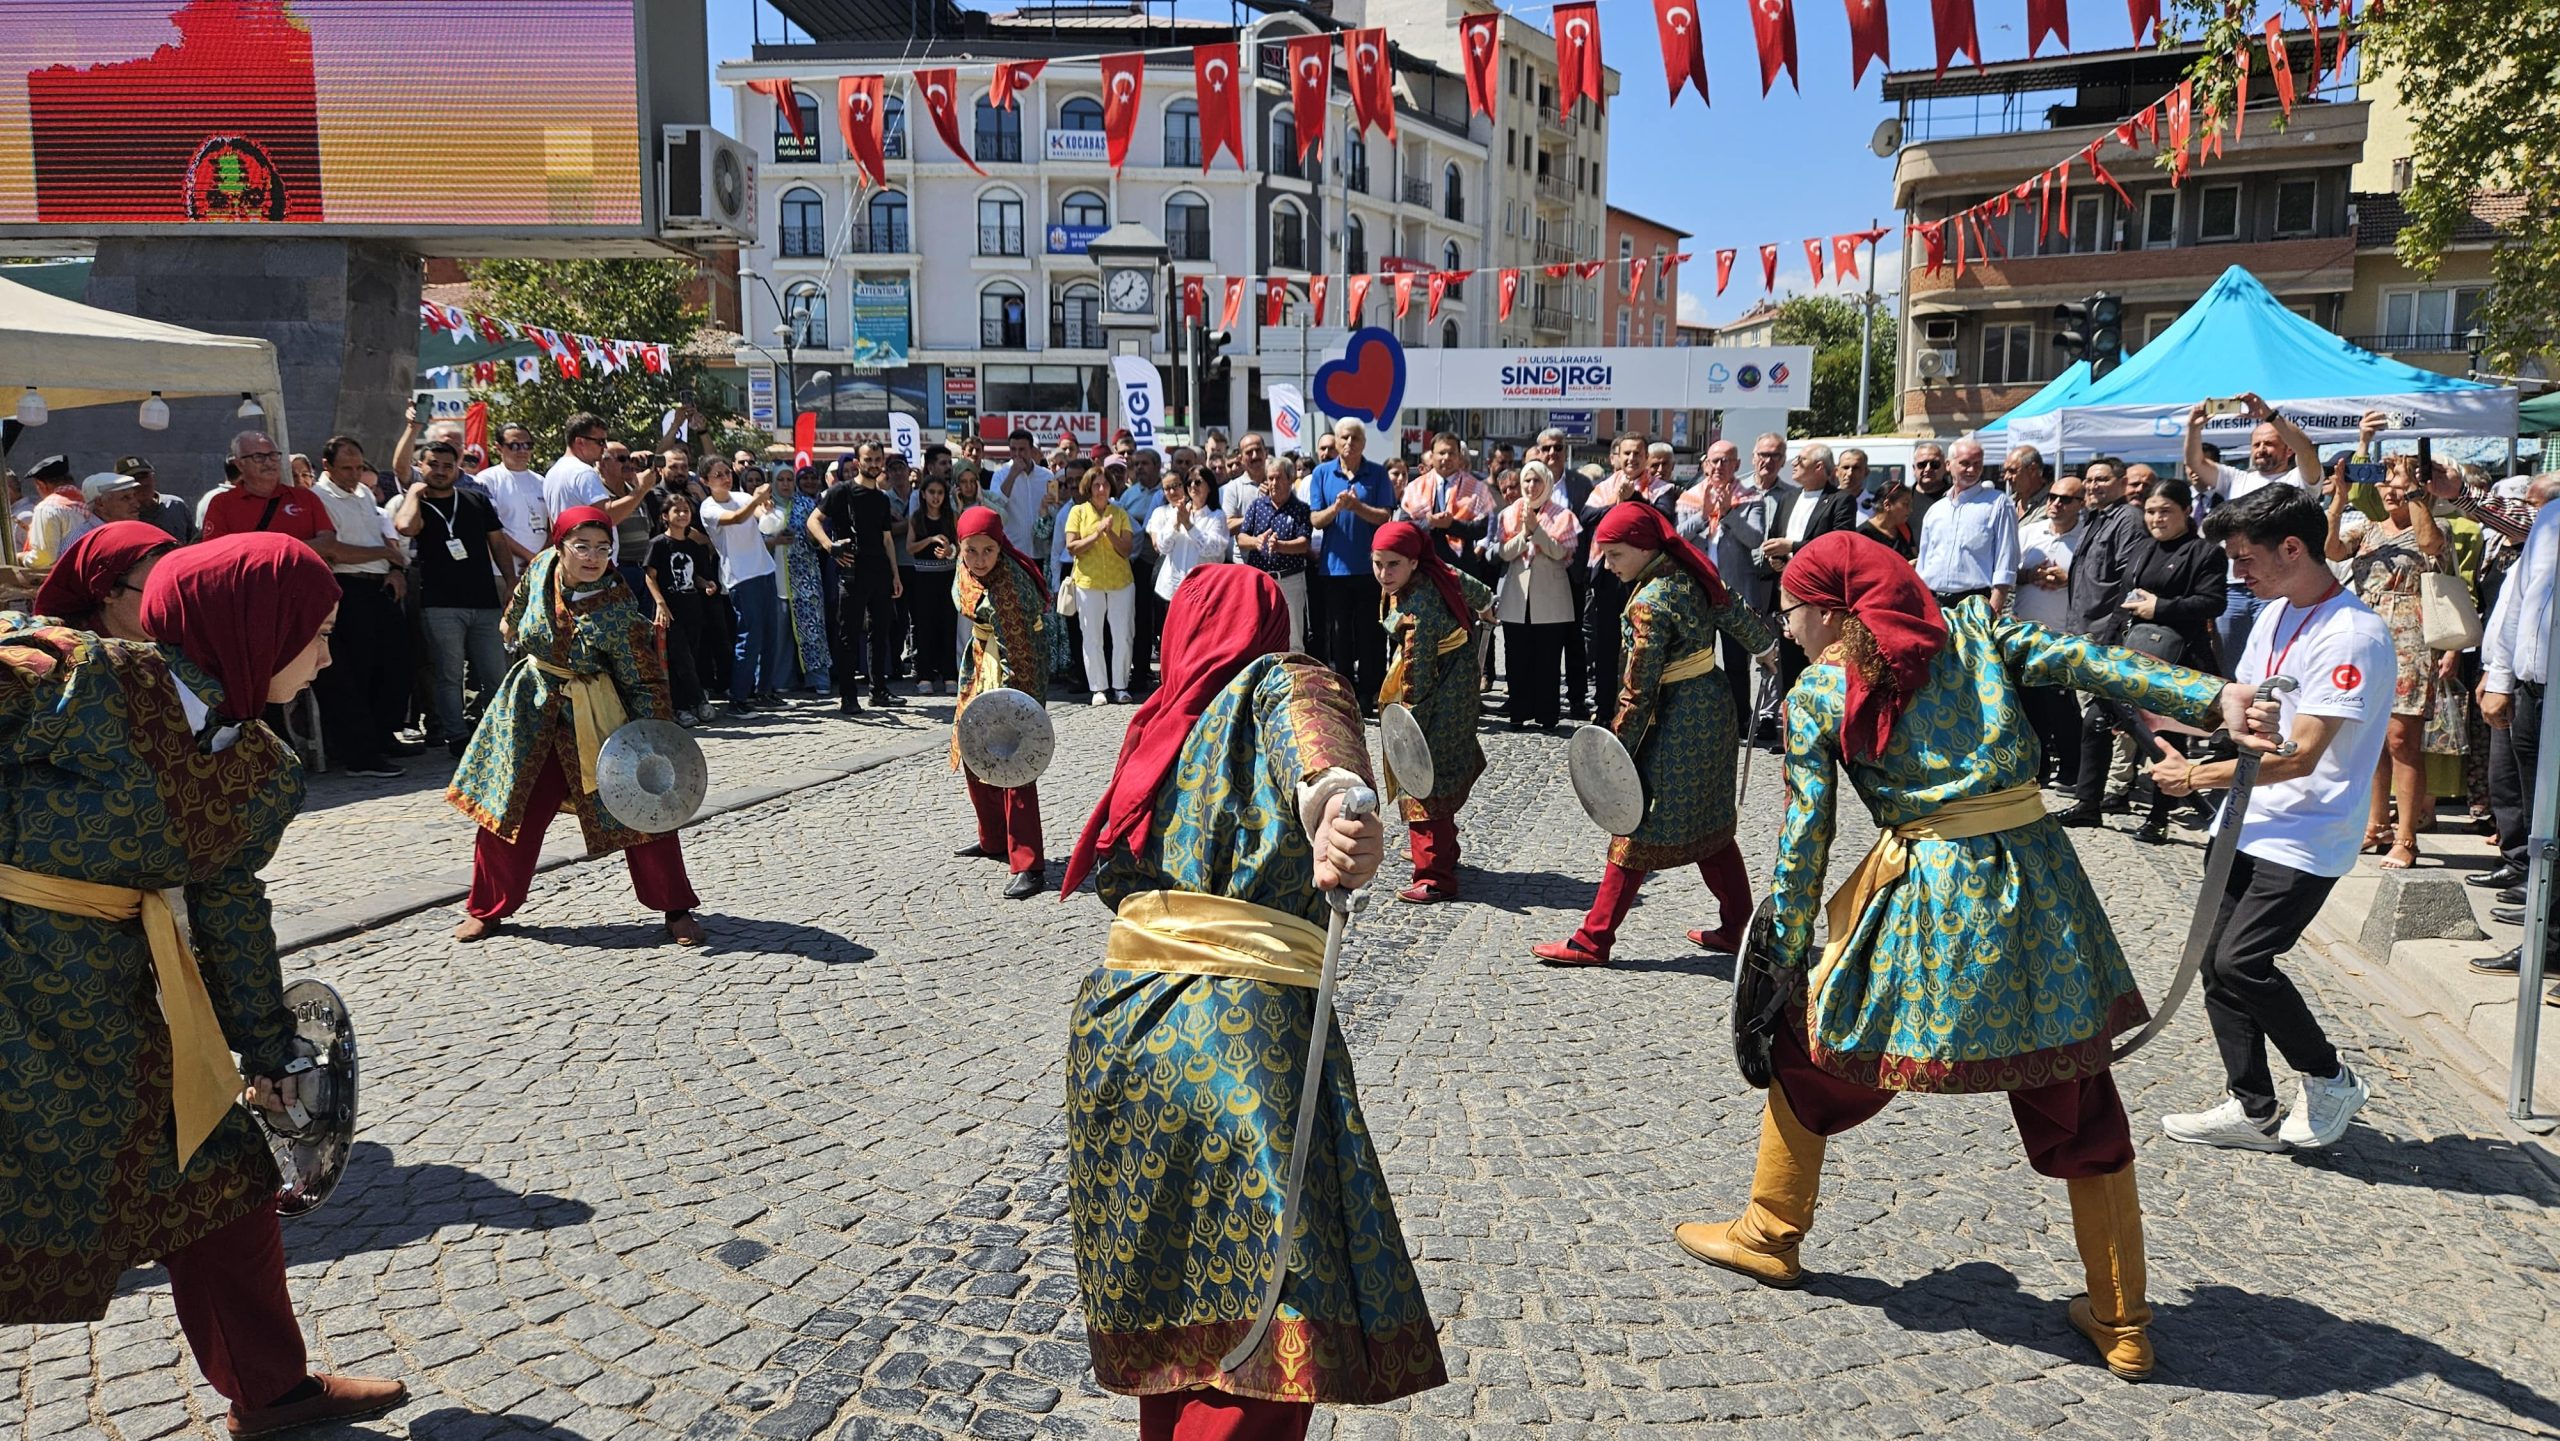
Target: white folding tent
x,y
78,355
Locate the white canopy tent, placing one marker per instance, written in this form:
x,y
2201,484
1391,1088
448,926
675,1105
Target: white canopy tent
x,y
78,355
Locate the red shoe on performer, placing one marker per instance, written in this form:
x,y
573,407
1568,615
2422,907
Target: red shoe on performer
x,y
1423,893
328,1398
1565,953
1719,940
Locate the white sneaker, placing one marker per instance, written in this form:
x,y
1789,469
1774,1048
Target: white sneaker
x,y
2322,1109
686,718
2226,1125
1100,699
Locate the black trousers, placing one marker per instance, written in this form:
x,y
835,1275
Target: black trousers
x,y
1604,602
2512,754
1577,658
1741,675
865,608
1150,625
902,644
1531,654
364,692
1355,644
2248,1000
2054,712
688,649
936,627
2098,727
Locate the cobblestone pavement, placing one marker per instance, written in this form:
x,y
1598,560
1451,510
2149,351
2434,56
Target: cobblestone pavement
x,y
808,1183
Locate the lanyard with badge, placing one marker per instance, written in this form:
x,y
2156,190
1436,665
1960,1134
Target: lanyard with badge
x,y
2275,667
453,545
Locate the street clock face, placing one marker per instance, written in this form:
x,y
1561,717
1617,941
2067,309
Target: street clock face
x,y
1130,292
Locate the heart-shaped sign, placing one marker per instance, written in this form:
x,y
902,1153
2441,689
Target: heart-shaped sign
x,y
1368,382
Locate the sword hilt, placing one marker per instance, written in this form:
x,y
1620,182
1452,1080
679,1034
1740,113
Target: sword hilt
x,y
2285,747
1357,802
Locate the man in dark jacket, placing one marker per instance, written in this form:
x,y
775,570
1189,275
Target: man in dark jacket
x,y
2101,576
1813,506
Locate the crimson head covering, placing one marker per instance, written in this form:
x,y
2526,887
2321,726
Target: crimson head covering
x,y
1632,522
1407,540
240,607
1222,616
576,516
979,520
86,576
1846,571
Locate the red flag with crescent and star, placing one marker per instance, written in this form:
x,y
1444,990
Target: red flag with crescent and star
x,y
1213,76
786,100
1590,269
2048,17
1373,80
1507,287
1578,71
1684,47
1316,287
1354,298
1724,268
1813,258
1870,38
2240,88
1635,276
1404,292
1011,79
1769,267
2280,63
1479,41
1957,34
1195,298
1234,309
1310,85
858,111
1844,256
1439,287
1275,301
939,87
2146,16
1124,84
1773,25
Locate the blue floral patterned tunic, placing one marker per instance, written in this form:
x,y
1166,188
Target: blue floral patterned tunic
x,y
1434,655
1990,965
1681,733
1182,1100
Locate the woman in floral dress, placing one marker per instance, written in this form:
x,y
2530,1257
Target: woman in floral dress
x,y
806,593
2385,560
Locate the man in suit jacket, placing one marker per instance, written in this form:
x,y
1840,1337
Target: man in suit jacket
x,y
1631,477
1574,489
1722,516
1813,506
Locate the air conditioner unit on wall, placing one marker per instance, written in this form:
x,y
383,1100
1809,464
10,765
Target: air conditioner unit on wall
x,y
707,187
1936,364
1938,330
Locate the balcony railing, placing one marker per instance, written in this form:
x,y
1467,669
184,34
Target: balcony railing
x,y
1552,121
997,145
1288,252
1189,243
1555,188
1075,335
2435,341
1549,317
1182,151
1550,252
999,240
1001,335
1284,159
877,237
1360,178
804,240
1455,207
1416,190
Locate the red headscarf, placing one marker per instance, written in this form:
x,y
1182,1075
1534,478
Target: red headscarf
x,y
1632,522
86,576
980,520
1847,571
1221,617
576,516
1408,541
240,607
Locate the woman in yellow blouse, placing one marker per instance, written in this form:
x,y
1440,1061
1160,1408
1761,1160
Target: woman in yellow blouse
x,y
1099,537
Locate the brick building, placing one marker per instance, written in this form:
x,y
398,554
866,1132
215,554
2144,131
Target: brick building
x,y
1646,314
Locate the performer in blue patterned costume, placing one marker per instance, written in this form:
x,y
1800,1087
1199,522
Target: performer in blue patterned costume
x,y
1218,836
1967,953
1431,613
1675,717
142,796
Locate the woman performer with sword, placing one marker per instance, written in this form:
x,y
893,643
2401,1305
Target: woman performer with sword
x,y
1967,952
1430,612
1237,805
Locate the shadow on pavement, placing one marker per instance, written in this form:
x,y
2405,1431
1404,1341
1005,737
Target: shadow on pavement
x,y
452,1423
2468,1165
382,1205
1514,892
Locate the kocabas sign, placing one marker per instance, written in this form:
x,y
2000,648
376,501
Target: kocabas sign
x,y
1141,399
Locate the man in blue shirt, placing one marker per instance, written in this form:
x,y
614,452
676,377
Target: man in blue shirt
x,y
1350,497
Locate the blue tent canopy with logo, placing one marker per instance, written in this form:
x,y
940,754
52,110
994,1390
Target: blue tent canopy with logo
x,y
2238,337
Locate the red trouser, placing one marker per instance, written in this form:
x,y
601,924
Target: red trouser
x,y
502,871
1435,852
1008,822
2073,1130
1209,1414
229,1291
1723,872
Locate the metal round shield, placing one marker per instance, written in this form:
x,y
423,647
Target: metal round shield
x,y
1605,780
311,1153
1763,994
1005,738
1408,752
650,775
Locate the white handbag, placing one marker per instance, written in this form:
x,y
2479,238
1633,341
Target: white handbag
x,y
1066,602
2446,613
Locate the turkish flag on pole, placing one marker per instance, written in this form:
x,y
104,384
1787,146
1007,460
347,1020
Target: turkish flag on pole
x,y
1478,44
1724,268
1012,78
1773,25
1316,286
1813,257
1869,38
1956,32
1684,48
1508,286
1439,287
1310,86
1124,84
1404,292
1275,300
2280,63
804,440
1635,276
1373,81
1354,298
785,100
2045,16
858,111
1213,75
2146,16
1195,298
938,87
1235,303
475,420
1844,257
1577,54
1769,267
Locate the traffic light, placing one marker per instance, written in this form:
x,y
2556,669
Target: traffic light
x,y
2092,331
1215,367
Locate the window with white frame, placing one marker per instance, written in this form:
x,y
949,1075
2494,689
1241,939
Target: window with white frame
x,y
1001,317
1660,281
1657,330
2218,216
999,223
1624,322
1186,226
1626,247
2436,317
1182,134
1081,113
804,223
2008,354
1083,207
785,147
1288,236
806,306
2160,220
2297,208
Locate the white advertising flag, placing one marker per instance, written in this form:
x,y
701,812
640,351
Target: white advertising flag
x,y
909,440
1141,399
1288,420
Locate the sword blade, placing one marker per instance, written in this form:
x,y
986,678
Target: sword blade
x,y
2218,860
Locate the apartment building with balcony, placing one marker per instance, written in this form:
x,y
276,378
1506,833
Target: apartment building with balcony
x,y
2276,201
1646,314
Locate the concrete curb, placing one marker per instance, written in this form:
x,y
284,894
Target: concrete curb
x,y
365,913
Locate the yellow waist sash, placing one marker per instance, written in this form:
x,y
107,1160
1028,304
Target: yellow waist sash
x,y
1890,859
205,1084
1181,933
1689,667
595,712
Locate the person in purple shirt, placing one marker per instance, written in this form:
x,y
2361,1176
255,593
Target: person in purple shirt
x,y
1350,497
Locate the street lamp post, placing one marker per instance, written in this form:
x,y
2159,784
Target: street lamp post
x,y
786,330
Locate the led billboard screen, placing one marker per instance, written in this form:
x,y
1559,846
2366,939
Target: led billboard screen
x,y
361,115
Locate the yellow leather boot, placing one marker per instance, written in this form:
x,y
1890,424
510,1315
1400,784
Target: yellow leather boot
x,y
1784,1182
2106,1219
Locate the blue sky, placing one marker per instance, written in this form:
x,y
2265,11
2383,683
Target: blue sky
x,y
1746,170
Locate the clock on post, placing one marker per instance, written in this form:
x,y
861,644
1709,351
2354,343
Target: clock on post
x,y
1131,260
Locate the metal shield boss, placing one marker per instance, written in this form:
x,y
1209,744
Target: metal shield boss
x,y
1407,750
1605,780
1005,738
650,775
311,1141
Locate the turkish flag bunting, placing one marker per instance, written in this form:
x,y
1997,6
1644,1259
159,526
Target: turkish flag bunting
x,y
804,439
1768,267
654,360
1354,298
786,101
1684,47
1373,80
1724,268
1124,84
1635,276
1558,272
1933,239
1195,298
1213,76
2047,16
2280,63
2147,124
1844,257
1478,44
1310,85
1577,54
938,87
858,112
2044,202
1773,25
1508,284
2240,89
568,364
1813,258
1869,38
2311,15
2104,178
1234,308
1439,287
2146,16
1590,269
475,416
1275,301
1404,292
1012,78
1683,258
2124,135
489,330
1956,32
1316,286
1958,220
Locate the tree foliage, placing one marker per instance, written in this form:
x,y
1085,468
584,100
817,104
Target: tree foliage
x,y
613,299
1829,323
2477,80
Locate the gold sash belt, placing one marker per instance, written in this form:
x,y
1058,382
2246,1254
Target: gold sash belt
x,y
1182,933
1890,859
595,712
204,1082
1689,667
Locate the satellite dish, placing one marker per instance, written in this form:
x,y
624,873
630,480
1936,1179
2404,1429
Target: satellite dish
x,y
1888,137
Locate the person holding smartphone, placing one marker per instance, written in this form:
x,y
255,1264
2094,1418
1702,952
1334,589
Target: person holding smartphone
x,y
2279,454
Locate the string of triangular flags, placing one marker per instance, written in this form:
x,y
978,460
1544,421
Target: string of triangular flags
x,y
571,355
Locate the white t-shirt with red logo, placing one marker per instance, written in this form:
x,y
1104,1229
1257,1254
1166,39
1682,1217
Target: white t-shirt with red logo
x,y
2340,652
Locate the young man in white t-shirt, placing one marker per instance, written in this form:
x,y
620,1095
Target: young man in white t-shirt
x,y
2305,823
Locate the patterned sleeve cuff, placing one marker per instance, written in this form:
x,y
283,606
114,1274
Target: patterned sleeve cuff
x,y
1317,790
